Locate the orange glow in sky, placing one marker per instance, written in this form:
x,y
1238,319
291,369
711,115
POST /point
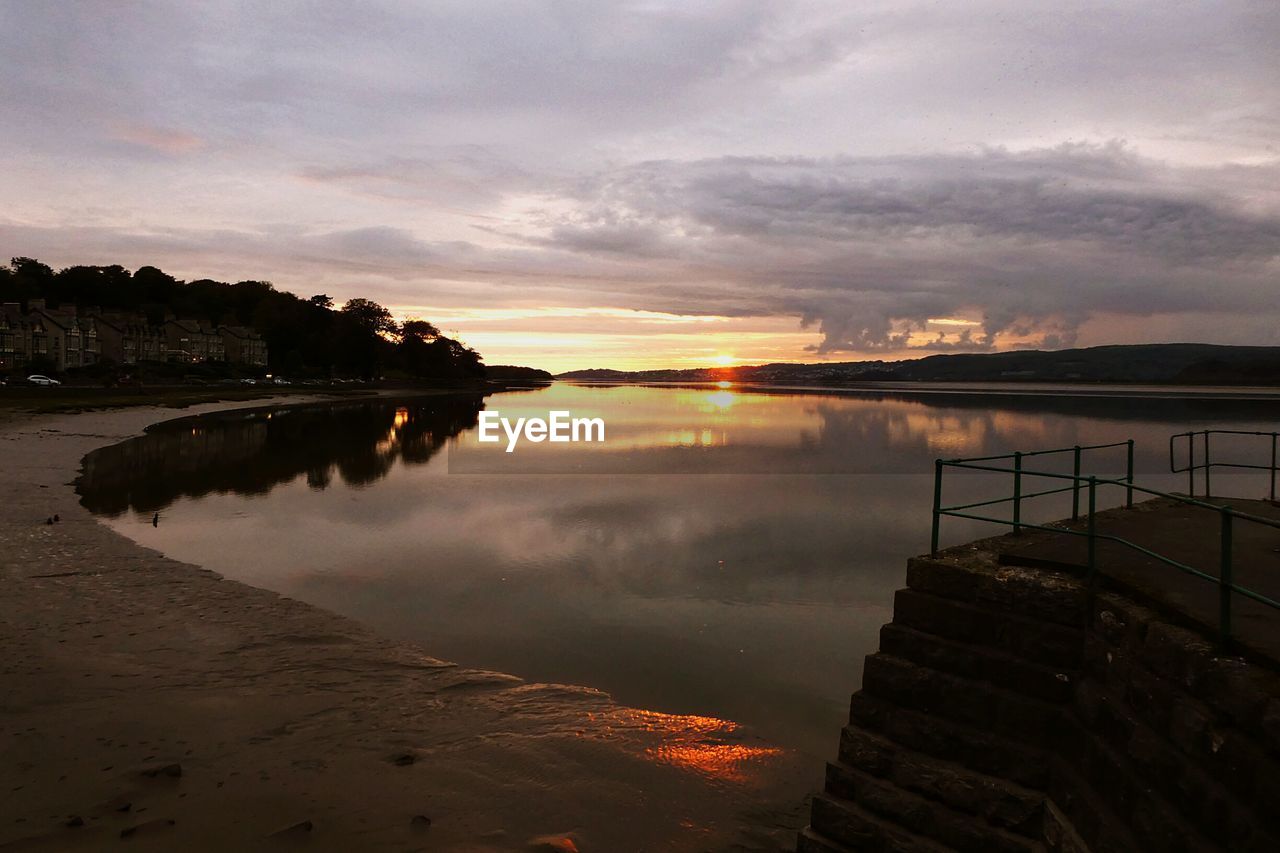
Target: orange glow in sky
x,y
567,338
559,339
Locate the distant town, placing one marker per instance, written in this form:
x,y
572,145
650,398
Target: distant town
x,y
108,324
66,339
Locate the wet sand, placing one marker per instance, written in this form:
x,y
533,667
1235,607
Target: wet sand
x,y
153,702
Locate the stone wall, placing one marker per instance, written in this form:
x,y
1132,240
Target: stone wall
x,y
1009,710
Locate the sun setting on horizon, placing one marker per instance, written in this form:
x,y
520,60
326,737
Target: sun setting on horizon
x,y
566,338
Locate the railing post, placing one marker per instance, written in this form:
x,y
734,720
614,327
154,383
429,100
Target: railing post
x,y
1191,464
1273,466
1093,530
1225,581
937,506
1207,492
1075,484
1128,500
1017,493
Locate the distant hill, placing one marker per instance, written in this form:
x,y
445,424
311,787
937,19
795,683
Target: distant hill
x,y
514,373
1155,363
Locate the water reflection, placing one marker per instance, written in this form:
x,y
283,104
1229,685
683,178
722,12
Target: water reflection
x,y
703,745
709,429
252,453
749,593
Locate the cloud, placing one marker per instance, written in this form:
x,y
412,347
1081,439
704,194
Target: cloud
x,y
869,249
863,169
159,139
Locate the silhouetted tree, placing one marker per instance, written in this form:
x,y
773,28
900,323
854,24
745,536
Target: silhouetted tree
x,y
370,316
302,335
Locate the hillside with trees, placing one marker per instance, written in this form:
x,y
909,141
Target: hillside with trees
x,y
306,337
1178,364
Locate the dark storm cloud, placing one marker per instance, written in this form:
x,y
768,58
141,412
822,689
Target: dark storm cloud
x,y
865,248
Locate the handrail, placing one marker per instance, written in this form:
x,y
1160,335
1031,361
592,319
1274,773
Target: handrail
x,y
1225,580
1077,452
1208,465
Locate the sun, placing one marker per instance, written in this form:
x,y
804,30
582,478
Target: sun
x,y
724,359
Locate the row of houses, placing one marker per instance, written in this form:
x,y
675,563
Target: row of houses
x,y
68,338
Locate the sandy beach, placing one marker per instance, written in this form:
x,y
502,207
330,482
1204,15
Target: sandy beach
x,y
154,703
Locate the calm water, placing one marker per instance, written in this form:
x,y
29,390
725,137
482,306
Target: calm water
x,y
726,552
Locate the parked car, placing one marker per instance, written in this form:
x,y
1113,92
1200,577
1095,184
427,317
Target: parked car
x,y
40,379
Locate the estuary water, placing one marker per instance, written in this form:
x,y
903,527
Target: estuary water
x,y
726,551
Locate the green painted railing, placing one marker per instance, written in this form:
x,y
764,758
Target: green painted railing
x,y
1208,464
1089,484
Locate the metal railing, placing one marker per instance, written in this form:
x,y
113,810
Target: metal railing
x,y
1090,484
1208,465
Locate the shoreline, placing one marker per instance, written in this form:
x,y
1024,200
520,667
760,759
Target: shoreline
x,y
157,699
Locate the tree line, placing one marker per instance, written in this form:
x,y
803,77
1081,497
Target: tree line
x,y
304,336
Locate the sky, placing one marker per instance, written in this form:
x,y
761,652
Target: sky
x,y
671,184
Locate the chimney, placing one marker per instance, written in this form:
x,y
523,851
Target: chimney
x,y
35,304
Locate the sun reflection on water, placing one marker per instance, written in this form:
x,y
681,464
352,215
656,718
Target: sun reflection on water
x,y
706,745
722,400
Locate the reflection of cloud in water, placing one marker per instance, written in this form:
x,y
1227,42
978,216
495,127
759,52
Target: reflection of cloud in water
x,y
710,430
907,429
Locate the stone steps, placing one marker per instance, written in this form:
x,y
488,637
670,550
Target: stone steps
x,y
961,700
1003,805
981,663
812,842
910,812
980,750
1008,711
1035,594
844,822
1044,643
